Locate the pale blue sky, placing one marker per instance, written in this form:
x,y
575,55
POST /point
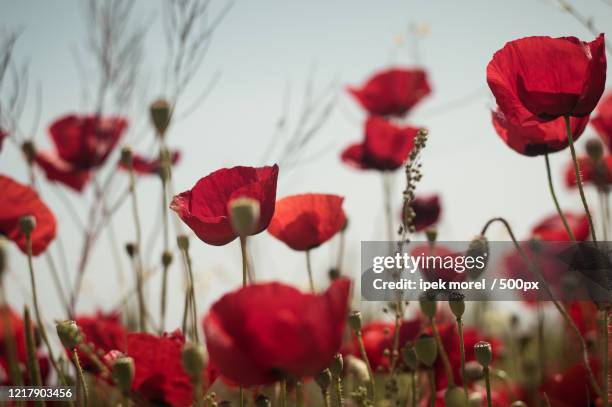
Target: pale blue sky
x,y
261,49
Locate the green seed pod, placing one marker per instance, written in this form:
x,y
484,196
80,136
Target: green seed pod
x,y
166,259
594,149
193,358
262,401
473,371
432,235
126,156
478,248
324,379
410,357
337,366
457,304
131,249
183,242
455,397
354,321
428,304
29,151
27,224
244,215
426,349
69,334
483,353
160,115
123,373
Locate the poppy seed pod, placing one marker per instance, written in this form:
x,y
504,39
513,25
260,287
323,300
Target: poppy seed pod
x,y
166,258
244,215
410,357
594,149
182,241
432,235
126,156
123,373
426,349
455,397
131,249
69,334
160,115
29,151
27,224
337,366
428,304
193,358
473,371
479,247
483,353
262,401
324,379
354,321
457,304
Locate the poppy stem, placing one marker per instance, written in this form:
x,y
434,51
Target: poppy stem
x,y
556,201
309,270
541,352
142,312
326,398
462,353
443,355
245,260
82,384
570,139
386,178
299,394
283,392
534,268
488,385
10,343
32,361
165,264
191,294
432,386
606,355
364,356
413,390
339,392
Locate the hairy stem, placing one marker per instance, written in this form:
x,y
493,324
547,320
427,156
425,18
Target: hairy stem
x,y
309,270
364,356
551,188
443,355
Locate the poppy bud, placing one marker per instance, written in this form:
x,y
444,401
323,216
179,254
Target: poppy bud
x,y
126,156
244,215
166,258
29,151
131,249
428,304
324,379
518,403
454,397
594,149
27,224
337,365
123,373
69,334
410,357
473,371
182,242
432,235
354,321
193,359
160,115
426,349
457,304
482,351
262,401
479,247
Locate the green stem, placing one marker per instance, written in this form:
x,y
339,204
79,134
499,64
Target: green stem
x,y
364,356
488,385
462,352
551,187
32,360
432,386
241,396
388,206
245,260
192,298
326,398
142,312
413,392
541,354
309,270
283,392
570,139
443,355
82,384
166,233
339,392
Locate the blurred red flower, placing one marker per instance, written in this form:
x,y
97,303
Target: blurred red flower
x,y
150,166
426,211
103,332
536,138
204,208
439,262
385,147
159,375
392,92
552,228
571,387
18,200
584,315
543,78
261,332
603,120
62,171
598,173
306,221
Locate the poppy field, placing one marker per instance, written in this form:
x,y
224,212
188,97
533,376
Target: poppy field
x,y
128,281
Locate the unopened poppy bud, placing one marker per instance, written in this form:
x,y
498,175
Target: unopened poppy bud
x,y
410,357
483,353
244,215
29,151
518,403
473,371
160,115
69,334
478,250
431,235
262,401
337,365
27,224
594,149
126,156
457,304
455,397
426,349
131,249
324,379
428,304
166,258
193,358
182,242
123,373
354,321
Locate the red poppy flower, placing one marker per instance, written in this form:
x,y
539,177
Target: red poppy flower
x,y
204,207
584,315
62,171
86,141
306,221
148,166
548,77
378,336
385,147
552,228
393,92
598,172
426,211
103,332
439,262
261,332
603,120
18,200
536,138
159,375
571,387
